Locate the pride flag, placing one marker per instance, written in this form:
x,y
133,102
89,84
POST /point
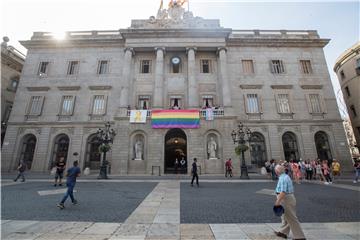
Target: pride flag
x,y
175,119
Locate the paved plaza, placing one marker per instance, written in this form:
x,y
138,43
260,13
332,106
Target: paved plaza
x,y
169,208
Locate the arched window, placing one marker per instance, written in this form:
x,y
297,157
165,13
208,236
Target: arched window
x,y
27,150
61,147
290,146
258,149
322,146
93,154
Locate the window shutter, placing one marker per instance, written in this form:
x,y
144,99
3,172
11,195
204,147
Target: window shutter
x,y
246,103
308,103
277,103
42,105
73,105
323,104
271,67
105,104
91,110
260,104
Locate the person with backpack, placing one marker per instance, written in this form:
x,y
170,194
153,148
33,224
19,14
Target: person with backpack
x,y
21,169
72,174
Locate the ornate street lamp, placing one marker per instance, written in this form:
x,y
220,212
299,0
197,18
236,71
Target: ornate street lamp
x,y
241,136
105,137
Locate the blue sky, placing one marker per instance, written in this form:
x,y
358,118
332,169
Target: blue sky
x,y
337,20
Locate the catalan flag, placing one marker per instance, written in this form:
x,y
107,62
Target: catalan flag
x,y
175,119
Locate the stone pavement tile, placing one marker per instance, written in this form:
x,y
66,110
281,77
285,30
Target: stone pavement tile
x,y
167,210
150,203
196,231
22,236
167,218
101,229
118,237
42,227
258,231
146,210
14,226
227,231
348,228
72,227
5,221
162,238
141,218
92,237
163,230
56,236
132,230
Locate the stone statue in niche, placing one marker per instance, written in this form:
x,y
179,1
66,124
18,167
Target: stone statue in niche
x,y
138,149
212,148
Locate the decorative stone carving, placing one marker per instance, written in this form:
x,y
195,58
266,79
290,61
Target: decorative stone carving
x,y
212,148
175,17
29,130
138,149
62,130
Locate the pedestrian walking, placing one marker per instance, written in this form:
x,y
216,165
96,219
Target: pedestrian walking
x,y
194,173
228,168
183,164
326,172
285,196
176,165
72,173
21,169
309,170
335,167
60,167
357,171
319,174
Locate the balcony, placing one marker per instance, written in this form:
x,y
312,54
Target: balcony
x,y
219,112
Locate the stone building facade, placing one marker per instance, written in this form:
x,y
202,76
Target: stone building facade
x,y
12,62
275,82
347,68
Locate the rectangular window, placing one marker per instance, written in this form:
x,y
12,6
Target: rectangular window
x,y
208,101
306,66
342,74
35,107
277,66
357,69
205,66
175,102
43,68
67,105
315,103
144,102
347,90
103,67
145,66
248,66
99,105
252,103
283,103
358,129
73,68
353,110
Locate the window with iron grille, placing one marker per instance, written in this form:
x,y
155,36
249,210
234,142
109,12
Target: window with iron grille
x,y
315,103
248,66
205,65
43,68
67,105
35,106
306,66
252,103
145,66
73,68
99,105
277,66
103,67
283,103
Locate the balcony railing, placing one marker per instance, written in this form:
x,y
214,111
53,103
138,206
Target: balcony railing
x,y
219,112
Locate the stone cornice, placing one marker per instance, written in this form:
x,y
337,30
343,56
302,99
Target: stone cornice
x,y
69,88
251,86
104,87
276,42
311,86
281,86
52,43
38,89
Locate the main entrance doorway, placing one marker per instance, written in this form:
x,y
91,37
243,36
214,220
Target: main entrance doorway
x,y
175,148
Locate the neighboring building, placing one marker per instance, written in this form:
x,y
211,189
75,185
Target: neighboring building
x,y
347,68
12,62
275,82
351,139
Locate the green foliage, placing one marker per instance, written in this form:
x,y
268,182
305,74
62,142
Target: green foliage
x,y
104,147
241,148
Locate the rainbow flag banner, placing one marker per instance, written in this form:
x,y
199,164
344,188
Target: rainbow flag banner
x,y
175,119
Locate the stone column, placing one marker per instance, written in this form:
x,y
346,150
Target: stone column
x,y
193,92
159,78
124,93
226,93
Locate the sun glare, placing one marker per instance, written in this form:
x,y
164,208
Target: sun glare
x,y
59,35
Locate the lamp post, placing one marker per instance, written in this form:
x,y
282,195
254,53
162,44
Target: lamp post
x,y
105,137
240,136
